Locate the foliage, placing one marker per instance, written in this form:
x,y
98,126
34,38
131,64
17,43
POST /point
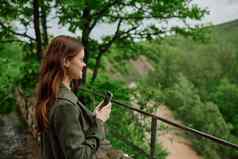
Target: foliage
x,y
10,64
199,82
83,16
29,75
148,93
226,97
183,98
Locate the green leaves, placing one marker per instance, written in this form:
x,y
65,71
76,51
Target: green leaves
x,y
198,81
226,97
184,99
197,13
132,12
10,63
74,3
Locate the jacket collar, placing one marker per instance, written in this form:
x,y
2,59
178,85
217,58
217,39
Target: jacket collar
x,y
66,93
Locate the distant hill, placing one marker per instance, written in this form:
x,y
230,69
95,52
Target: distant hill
x,y
225,34
228,25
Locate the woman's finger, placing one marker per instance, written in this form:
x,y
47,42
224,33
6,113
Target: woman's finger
x,y
109,105
106,107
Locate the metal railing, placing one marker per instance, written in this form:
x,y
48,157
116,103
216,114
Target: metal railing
x,y
154,119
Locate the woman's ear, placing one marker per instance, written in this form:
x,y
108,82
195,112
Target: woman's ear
x,y
66,62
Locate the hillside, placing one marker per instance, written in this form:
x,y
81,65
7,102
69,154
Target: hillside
x,y
205,68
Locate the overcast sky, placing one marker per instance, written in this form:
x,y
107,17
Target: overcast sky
x,y
220,11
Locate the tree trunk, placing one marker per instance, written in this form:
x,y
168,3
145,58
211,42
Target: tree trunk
x,y
36,22
85,38
95,71
86,54
44,24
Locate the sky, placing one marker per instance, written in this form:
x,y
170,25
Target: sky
x,y
220,11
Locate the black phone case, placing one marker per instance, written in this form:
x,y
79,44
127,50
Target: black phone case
x,y
107,99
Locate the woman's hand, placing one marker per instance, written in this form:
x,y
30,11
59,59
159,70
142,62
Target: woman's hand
x,y
104,113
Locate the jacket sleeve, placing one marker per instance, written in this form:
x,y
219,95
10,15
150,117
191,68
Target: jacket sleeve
x,y
97,128
74,143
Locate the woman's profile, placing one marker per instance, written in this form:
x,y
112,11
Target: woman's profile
x,y
68,130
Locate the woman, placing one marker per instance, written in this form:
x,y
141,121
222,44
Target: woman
x,y
67,128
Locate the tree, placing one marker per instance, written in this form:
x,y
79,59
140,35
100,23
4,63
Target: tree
x,y
83,16
23,12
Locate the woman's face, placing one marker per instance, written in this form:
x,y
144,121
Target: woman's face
x,y
75,66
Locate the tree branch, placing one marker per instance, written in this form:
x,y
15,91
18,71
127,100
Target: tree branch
x,y
145,17
117,35
102,49
25,35
105,47
99,14
10,41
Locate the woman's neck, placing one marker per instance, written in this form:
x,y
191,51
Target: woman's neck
x,y
66,82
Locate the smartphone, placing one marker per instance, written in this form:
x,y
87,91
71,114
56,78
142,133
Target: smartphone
x,y
106,100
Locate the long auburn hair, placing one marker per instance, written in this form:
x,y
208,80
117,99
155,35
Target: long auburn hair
x,y
51,75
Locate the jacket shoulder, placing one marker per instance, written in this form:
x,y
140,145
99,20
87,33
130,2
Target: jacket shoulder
x,y
62,104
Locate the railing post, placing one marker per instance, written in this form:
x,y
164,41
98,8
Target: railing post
x,y
153,137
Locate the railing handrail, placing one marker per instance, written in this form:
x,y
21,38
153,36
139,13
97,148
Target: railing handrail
x,y
181,126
